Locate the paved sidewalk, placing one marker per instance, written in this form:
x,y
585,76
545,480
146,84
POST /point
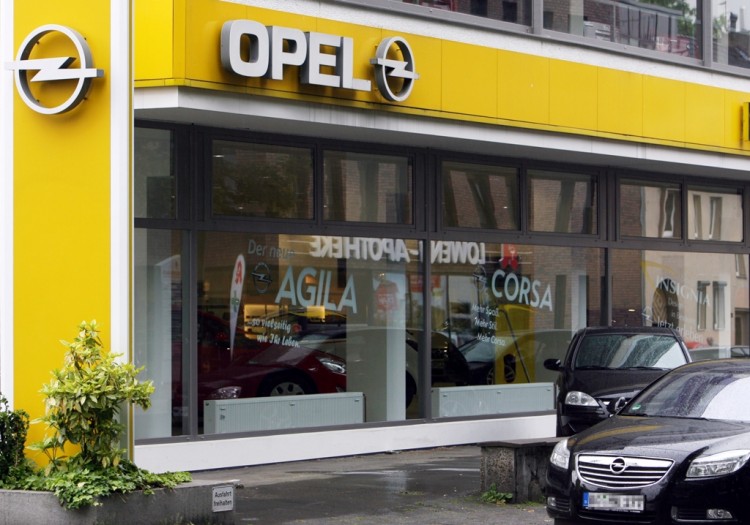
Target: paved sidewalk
x,y
427,487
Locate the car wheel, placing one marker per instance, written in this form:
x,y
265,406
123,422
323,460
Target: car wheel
x,y
286,385
560,430
411,389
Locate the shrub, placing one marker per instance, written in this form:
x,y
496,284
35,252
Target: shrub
x,y
83,402
14,425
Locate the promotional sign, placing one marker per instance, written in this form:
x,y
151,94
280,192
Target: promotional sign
x,y
235,298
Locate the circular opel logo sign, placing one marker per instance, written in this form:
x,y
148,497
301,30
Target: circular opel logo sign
x,y
53,69
390,68
617,466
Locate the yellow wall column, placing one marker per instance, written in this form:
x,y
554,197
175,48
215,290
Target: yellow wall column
x,y
71,179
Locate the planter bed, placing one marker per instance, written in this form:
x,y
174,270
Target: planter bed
x,y
195,503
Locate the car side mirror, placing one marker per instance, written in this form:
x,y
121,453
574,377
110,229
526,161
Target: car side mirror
x,y
553,364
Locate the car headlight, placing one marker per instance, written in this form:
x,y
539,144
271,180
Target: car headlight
x,y
334,366
227,392
560,456
719,464
580,399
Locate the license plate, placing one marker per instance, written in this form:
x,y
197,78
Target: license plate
x,y
617,502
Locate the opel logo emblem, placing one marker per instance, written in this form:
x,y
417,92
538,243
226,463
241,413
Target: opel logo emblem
x,y
386,68
52,69
617,466
261,277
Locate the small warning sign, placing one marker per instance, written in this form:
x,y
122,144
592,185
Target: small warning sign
x,y
223,498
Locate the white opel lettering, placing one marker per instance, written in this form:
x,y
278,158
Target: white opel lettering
x,y
250,49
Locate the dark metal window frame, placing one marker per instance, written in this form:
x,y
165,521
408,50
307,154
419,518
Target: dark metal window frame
x,y
193,159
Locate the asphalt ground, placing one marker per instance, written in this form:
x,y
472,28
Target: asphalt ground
x,y
438,486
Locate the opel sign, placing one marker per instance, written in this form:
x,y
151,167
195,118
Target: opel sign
x,y
250,49
53,69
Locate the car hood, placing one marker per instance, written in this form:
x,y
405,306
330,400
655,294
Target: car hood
x,y
613,383
665,437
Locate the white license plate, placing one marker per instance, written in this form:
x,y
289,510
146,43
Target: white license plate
x,y
619,502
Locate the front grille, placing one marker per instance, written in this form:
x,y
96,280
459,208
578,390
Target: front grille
x,y
617,472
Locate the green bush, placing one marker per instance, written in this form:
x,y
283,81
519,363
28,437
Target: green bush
x,y
83,402
14,425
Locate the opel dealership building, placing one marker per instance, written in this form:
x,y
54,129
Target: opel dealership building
x,y
332,227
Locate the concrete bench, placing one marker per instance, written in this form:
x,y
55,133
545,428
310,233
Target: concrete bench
x,y
517,467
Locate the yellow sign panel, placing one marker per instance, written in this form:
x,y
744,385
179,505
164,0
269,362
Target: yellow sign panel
x,y
452,80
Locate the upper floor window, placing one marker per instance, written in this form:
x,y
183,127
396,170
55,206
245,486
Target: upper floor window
x,y
261,180
480,196
562,202
730,35
650,209
155,188
365,187
668,26
516,11
715,214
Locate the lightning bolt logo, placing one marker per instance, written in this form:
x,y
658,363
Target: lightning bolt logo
x,y
386,68
53,69
50,69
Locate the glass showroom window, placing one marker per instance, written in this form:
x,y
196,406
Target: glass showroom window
x,y
154,188
503,309
158,340
333,320
677,289
715,214
365,187
260,180
480,196
516,11
650,209
562,202
669,27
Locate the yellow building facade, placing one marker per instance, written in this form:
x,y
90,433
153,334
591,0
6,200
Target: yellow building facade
x,y
258,201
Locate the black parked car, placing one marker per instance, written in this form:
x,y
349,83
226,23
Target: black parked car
x,y
677,453
605,367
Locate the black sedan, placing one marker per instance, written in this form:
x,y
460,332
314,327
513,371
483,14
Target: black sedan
x,y
604,367
677,453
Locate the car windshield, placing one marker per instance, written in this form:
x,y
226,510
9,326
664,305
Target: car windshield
x,y
698,394
605,351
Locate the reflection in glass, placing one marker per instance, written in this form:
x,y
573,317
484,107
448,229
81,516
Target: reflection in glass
x,y
562,202
715,214
516,11
334,320
730,30
667,26
650,209
479,196
510,308
698,294
158,340
259,180
613,351
154,186
367,188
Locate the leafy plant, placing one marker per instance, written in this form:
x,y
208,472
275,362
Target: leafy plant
x,y
14,425
495,496
83,401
